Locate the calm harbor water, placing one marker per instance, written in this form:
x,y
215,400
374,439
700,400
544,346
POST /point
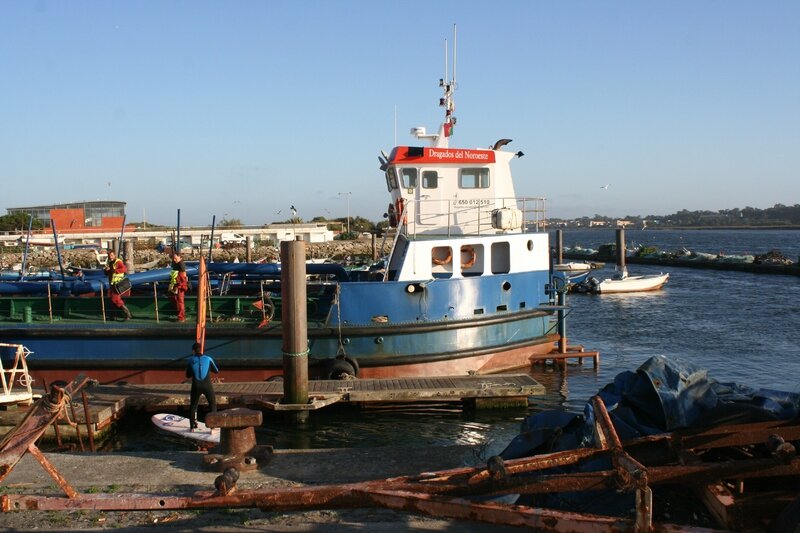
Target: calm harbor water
x,y
742,327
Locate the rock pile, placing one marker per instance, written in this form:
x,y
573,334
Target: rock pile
x,y
351,251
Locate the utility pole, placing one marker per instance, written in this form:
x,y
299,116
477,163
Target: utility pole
x,y
347,194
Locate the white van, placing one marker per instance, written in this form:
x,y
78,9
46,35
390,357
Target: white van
x,y
232,238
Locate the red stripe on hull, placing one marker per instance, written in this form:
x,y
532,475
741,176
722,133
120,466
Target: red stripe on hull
x,y
481,364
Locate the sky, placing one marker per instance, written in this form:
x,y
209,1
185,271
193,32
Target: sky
x,y
241,109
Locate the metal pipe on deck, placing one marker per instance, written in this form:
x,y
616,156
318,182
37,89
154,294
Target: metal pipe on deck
x,y
129,257
27,249
562,319
211,240
58,249
295,327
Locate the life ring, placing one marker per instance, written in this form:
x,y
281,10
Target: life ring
x,y
471,256
446,260
400,206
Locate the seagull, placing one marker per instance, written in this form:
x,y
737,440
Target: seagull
x,y
294,211
605,186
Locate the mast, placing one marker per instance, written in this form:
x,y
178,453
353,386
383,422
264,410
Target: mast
x,y
441,139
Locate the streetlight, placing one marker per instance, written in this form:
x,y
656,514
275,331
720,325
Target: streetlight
x,y
347,194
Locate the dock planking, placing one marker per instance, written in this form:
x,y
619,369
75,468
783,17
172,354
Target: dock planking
x,y
108,403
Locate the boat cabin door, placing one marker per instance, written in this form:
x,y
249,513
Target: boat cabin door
x,y
432,206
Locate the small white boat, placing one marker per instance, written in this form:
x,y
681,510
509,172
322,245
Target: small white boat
x,y
573,267
622,282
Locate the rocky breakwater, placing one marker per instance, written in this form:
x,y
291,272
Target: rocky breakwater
x,y
338,251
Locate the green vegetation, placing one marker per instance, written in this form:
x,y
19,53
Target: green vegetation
x,y
230,223
18,222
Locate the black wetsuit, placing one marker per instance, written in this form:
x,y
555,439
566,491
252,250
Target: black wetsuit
x,y
199,369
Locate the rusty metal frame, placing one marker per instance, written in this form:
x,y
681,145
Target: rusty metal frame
x,y
446,493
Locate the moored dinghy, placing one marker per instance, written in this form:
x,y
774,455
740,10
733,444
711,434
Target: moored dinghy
x,y
621,281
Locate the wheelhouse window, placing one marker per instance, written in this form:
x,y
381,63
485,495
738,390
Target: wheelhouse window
x,y
391,179
474,178
430,179
408,178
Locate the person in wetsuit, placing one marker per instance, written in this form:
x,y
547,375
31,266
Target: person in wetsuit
x,y
199,369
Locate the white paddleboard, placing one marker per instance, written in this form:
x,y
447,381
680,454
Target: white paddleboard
x,y
179,425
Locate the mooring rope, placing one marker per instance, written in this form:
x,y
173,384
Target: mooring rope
x,y
338,302
57,407
297,354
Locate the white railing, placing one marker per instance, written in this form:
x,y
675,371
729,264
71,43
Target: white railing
x,y
17,373
470,216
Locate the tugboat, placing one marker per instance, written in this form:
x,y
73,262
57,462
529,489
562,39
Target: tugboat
x,y
465,289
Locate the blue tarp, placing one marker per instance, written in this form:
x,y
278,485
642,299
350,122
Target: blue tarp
x,y
663,395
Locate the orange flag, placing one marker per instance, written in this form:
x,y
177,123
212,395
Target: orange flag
x,y
202,294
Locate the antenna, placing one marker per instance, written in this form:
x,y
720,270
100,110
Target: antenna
x,y
445,61
455,47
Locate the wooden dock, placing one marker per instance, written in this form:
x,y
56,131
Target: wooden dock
x,y
577,352
108,403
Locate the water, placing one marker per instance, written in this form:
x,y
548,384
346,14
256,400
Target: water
x,y
729,242
742,327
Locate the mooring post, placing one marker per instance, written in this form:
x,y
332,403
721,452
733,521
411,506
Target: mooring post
x,y
621,249
559,246
295,328
248,243
374,247
562,319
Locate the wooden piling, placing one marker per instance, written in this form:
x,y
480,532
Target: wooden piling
x,y
295,328
621,249
248,244
374,247
559,246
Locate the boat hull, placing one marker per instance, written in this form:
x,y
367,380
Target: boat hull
x,y
494,362
151,354
450,326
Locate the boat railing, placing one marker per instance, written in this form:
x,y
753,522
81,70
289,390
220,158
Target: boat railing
x,y
466,217
14,370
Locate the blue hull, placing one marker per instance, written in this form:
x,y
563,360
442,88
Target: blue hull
x,y
439,324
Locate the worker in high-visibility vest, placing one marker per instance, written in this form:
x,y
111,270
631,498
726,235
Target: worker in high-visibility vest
x,y
178,285
115,270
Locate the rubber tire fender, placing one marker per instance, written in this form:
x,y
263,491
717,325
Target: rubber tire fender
x,y
338,367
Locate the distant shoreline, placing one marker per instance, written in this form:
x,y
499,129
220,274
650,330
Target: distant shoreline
x,y
663,228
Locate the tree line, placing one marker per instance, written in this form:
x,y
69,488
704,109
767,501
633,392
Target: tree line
x,y
777,215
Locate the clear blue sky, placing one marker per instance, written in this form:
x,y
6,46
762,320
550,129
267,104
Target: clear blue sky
x,y
243,108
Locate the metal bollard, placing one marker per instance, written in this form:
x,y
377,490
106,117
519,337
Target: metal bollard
x,y
237,447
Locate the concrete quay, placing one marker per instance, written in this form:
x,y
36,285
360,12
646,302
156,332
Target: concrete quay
x,y
181,473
